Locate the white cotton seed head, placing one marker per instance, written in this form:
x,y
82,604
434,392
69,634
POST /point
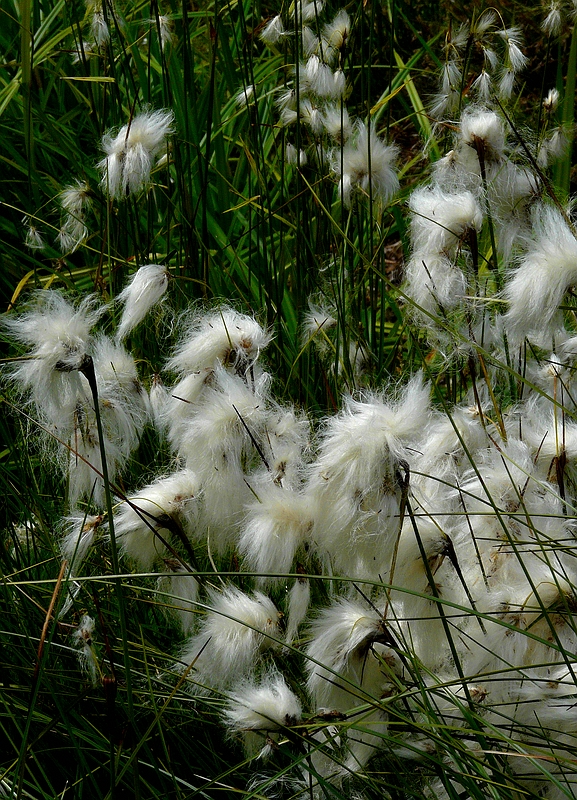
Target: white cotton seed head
x,y
552,25
319,79
288,116
434,283
295,157
33,238
83,638
337,32
507,83
245,96
515,59
410,569
115,366
544,274
84,466
311,115
298,605
444,104
483,86
490,57
337,123
180,593
450,436
165,28
275,527
317,322
154,509
286,99
72,234
130,154
366,439
55,330
79,532
353,480
345,655
225,336
310,41
451,77
366,163
482,127
440,220
226,491
266,705
222,427
158,401
306,10
553,147
285,441
179,406
146,287
273,31
75,197
58,338
99,27
235,630
120,390
551,102
123,402
483,23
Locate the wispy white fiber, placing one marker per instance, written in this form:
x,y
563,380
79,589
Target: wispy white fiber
x,y
74,199
83,638
130,154
439,220
306,10
483,127
163,504
268,704
298,605
236,629
367,164
545,273
146,287
79,532
345,655
180,590
273,31
58,338
224,336
354,479
336,33
275,527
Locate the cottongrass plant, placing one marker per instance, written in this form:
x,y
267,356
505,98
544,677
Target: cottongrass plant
x,y
450,532
374,601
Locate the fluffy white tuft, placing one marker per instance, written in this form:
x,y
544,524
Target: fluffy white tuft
x,y
225,336
237,627
144,290
546,272
130,154
79,532
365,164
275,527
481,127
266,705
153,510
440,220
346,655
298,605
